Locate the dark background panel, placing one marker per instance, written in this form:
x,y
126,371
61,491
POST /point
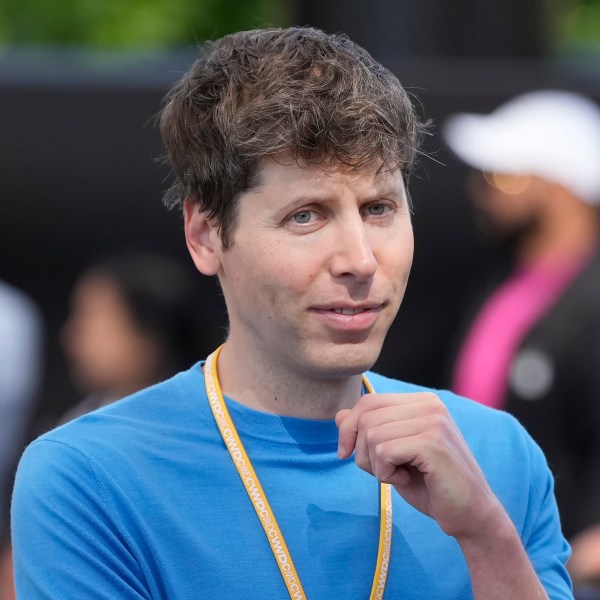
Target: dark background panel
x,y
437,28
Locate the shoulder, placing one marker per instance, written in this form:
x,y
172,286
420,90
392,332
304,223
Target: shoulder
x,y
127,426
119,446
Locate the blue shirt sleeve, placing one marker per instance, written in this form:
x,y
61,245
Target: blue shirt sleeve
x,y
542,536
66,543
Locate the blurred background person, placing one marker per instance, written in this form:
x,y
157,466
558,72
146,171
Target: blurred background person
x,y
532,346
20,370
133,322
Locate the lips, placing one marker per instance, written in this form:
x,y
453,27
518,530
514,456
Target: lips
x,y
349,311
343,308
355,319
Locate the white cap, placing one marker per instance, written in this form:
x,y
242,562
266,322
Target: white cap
x,y
552,134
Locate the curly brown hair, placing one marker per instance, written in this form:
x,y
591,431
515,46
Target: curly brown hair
x,y
319,98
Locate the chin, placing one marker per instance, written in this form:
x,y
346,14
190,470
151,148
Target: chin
x,y
344,360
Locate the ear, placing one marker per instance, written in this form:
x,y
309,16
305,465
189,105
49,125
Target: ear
x,y
202,239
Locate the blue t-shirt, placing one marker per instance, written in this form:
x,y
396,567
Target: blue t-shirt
x,y
141,500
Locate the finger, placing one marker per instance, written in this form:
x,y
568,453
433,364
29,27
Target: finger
x,y
341,415
408,406
349,419
347,422
344,449
397,461
347,433
381,426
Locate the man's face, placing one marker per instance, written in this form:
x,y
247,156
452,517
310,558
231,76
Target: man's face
x,y
318,267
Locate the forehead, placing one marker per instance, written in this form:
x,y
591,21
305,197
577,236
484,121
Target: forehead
x,y
284,172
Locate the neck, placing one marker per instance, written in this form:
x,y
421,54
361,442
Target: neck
x,y
262,385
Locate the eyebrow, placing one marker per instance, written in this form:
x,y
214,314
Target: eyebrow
x,y
324,197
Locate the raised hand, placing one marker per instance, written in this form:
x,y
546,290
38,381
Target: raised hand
x,y
412,442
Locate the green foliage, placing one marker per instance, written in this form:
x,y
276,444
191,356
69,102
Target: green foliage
x,y
127,24
577,27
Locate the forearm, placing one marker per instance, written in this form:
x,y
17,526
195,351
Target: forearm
x,y
499,566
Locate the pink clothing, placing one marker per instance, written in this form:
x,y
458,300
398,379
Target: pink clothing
x,y
483,363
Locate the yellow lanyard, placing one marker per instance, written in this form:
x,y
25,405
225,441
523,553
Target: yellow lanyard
x,y
263,509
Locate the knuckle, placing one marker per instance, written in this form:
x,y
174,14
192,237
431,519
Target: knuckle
x,y
436,405
437,429
380,451
439,422
371,437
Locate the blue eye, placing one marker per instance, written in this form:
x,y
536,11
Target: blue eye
x,y
302,217
377,209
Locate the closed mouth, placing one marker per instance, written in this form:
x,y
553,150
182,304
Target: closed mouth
x,y
350,311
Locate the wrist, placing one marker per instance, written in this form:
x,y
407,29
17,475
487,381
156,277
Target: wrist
x,y
498,562
495,534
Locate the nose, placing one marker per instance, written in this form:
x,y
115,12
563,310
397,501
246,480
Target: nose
x,y
353,252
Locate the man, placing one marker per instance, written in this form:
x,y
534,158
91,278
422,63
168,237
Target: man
x,y
290,150
532,347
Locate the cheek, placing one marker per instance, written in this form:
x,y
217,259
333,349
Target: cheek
x,y
289,272
398,272
280,288
400,254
